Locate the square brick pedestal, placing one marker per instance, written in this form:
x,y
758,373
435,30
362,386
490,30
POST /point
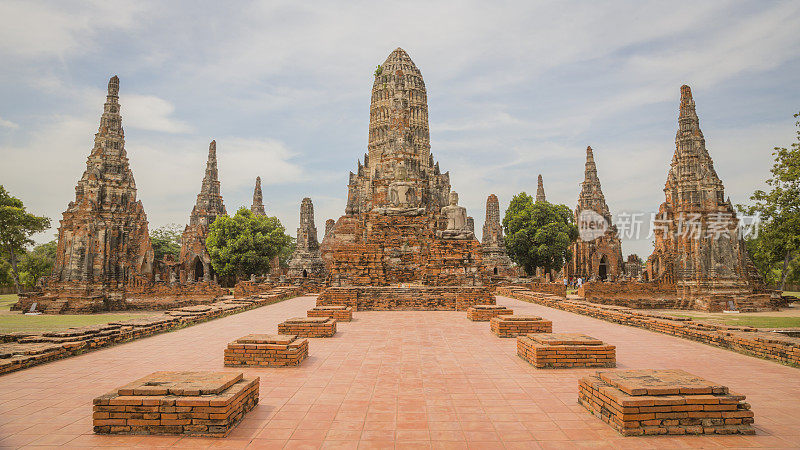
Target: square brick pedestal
x,y
646,402
483,313
340,313
314,327
185,403
564,350
266,350
513,326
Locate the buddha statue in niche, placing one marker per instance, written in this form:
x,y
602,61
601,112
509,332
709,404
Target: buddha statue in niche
x,y
456,220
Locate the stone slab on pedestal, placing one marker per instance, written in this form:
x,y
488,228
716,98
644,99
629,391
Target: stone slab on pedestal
x,y
565,350
513,326
483,313
314,327
338,312
652,402
180,403
266,350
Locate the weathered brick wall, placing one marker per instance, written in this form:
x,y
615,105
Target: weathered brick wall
x,y
743,339
548,288
632,294
281,352
447,298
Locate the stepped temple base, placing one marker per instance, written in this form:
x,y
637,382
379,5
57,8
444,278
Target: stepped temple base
x,y
565,350
385,298
483,313
266,350
182,403
649,402
513,326
313,327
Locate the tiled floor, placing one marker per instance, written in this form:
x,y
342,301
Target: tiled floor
x,y
394,379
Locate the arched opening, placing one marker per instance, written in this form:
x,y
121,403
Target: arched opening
x,y
495,271
305,273
198,269
602,270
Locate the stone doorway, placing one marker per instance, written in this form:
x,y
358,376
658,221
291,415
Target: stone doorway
x,y
602,270
198,269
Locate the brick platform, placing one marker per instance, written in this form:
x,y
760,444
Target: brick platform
x,y
314,327
381,298
266,350
513,326
565,350
483,313
183,403
647,402
340,313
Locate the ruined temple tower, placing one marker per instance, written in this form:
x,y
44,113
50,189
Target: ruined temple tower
x,y
103,240
306,262
597,253
194,259
257,208
401,224
493,246
697,246
540,197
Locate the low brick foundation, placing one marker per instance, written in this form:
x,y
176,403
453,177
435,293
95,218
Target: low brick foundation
x,y
340,313
382,298
483,313
313,327
565,350
650,402
183,403
266,350
513,326
25,349
775,346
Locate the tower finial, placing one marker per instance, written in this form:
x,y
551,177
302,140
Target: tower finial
x,y
113,86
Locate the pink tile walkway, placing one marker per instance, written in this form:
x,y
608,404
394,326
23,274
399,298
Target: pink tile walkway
x,y
394,380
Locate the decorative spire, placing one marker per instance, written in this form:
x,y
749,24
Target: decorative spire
x,y
591,196
540,197
257,208
209,203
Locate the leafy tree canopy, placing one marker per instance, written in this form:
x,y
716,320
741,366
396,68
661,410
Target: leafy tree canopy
x,y
37,263
538,234
245,243
776,248
16,228
166,240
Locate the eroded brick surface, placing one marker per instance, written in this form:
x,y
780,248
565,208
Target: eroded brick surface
x,y
483,313
266,350
513,326
648,402
314,327
565,350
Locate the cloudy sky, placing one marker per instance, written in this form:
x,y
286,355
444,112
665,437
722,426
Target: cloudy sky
x,y
515,89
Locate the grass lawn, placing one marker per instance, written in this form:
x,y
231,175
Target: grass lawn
x,y
748,320
12,321
6,300
796,294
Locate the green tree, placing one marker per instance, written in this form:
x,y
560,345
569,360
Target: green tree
x,y
166,240
245,243
538,234
777,246
37,263
16,228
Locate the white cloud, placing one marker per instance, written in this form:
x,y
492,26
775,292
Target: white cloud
x,y
148,112
8,124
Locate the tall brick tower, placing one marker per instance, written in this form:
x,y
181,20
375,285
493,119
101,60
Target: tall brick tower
x,y
257,207
401,223
194,258
540,197
597,254
493,246
697,246
103,240
306,262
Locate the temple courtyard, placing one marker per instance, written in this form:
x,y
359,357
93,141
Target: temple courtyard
x,y
422,379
